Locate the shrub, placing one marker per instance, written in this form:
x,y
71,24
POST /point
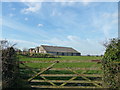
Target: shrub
x,y
11,76
10,65
41,55
111,64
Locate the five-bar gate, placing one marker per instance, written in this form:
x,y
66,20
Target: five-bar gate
x,y
75,80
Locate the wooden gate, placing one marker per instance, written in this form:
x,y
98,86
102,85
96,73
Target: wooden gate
x,y
86,81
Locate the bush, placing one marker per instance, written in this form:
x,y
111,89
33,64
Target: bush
x,y
111,64
10,65
41,55
11,76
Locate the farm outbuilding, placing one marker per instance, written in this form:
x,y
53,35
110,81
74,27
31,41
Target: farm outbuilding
x,y
56,50
32,50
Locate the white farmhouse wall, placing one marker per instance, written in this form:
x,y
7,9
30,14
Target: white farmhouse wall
x,y
42,50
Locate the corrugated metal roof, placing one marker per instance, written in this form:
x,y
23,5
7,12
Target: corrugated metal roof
x,y
59,49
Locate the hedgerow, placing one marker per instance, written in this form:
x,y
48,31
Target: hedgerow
x,y
11,76
111,64
39,55
10,65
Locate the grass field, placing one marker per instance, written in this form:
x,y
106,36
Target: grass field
x,y
24,58
74,64
77,62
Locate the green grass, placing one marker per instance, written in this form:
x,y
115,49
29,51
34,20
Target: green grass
x,y
26,74
64,65
62,58
24,58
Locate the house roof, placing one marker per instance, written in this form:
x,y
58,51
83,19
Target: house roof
x,y
32,49
59,49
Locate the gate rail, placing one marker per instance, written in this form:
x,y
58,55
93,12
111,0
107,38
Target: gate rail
x,y
96,83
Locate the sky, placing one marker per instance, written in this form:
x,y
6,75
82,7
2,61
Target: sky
x,y
85,26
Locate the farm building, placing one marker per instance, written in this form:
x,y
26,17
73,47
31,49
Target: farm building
x,y
32,50
55,50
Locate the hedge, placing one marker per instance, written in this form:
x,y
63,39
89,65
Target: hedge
x,y
10,68
111,64
40,55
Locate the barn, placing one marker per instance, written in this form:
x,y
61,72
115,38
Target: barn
x,y
56,50
32,50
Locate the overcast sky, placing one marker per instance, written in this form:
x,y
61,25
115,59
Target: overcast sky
x,y
84,26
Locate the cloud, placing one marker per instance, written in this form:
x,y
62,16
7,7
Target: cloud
x,y
94,46
32,0
86,2
32,7
59,0
55,41
72,38
105,23
55,13
26,19
13,9
27,30
40,25
70,3
11,15
110,15
23,43
108,25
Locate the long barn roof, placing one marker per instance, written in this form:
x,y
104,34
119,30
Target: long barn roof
x,y
59,49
